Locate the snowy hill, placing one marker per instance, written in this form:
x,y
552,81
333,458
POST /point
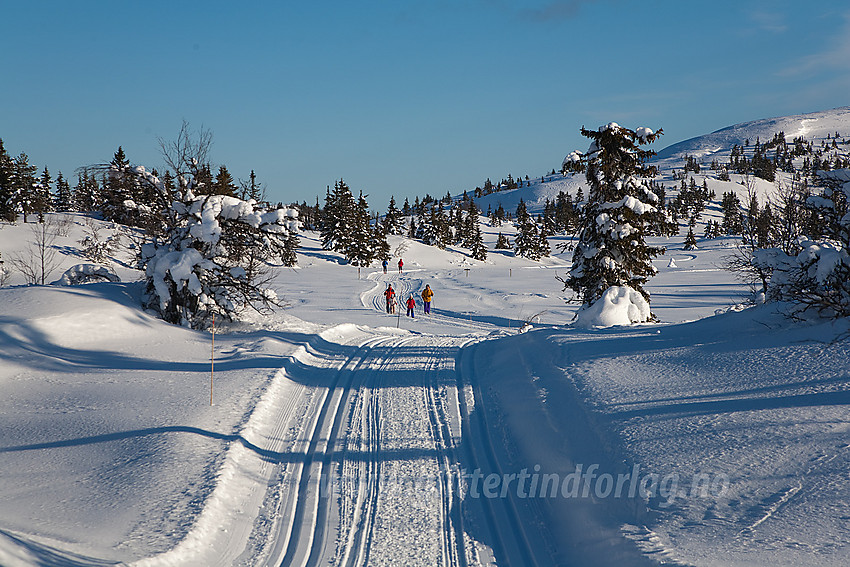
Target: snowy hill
x,y
814,126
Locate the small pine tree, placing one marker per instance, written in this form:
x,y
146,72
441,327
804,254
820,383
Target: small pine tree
x,y
494,218
502,242
690,240
118,188
22,183
252,190
87,196
338,217
731,207
530,240
360,249
393,220
476,247
64,198
223,184
380,246
42,200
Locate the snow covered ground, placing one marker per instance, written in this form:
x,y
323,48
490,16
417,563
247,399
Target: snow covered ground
x,y
491,432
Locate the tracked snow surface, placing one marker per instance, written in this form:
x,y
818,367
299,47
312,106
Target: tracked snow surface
x,y
492,432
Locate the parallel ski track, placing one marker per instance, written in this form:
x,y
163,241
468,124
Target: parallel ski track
x,y
358,541
306,542
452,544
511,544
454,549
316,467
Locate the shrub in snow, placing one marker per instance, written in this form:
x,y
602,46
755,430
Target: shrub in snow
x,y
619,305
620,209
94,245
817,277
87,273
38,260
213,258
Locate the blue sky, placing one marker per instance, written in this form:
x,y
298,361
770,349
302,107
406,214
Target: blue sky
x,y
402,98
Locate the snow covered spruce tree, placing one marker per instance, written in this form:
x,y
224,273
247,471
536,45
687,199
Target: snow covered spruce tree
x,y
337,218
203,254
394,219
477,247
612,261
360,253
212,255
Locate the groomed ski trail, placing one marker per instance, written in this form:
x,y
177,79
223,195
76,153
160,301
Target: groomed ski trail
x,y
380,481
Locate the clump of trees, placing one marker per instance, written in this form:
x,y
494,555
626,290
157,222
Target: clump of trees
x,y
209,241
346,227
530,241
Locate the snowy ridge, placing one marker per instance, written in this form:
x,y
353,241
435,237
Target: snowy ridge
x,y
814,125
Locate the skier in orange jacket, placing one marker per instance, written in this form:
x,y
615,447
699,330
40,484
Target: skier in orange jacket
x,y
427,296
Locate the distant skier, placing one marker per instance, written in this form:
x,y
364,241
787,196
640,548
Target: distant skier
x,y
385,264
390,295
411,303
427,296
400,265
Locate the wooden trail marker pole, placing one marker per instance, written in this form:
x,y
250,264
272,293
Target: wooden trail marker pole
x,y
212,359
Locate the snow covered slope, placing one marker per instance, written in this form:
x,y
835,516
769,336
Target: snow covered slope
x,y
813,126
728,438
534,194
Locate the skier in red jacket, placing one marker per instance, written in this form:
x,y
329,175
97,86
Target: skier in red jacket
x,y
411,303
389,293
400,265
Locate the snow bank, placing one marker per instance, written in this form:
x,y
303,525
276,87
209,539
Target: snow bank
x,y
86,273
619,305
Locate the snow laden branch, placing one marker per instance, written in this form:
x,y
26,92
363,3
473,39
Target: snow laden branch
x,y
621,209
